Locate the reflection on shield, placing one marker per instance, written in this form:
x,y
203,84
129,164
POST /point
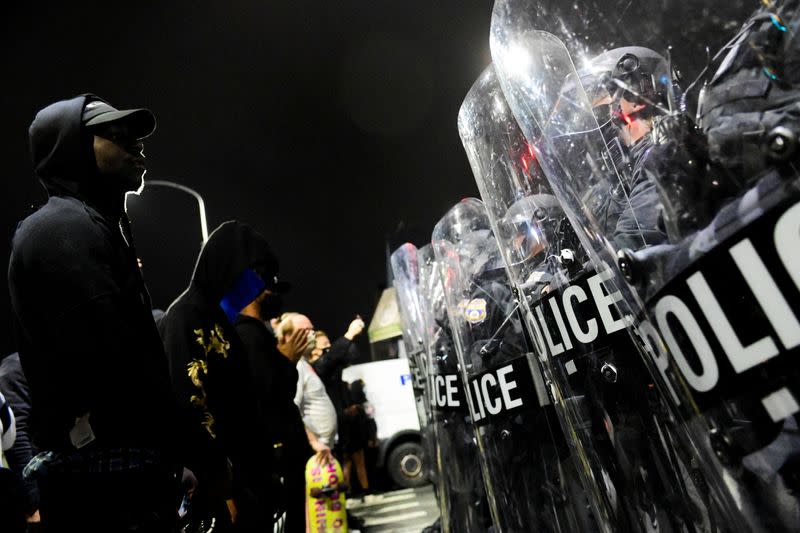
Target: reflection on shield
x,y
603,401
460,487
406,269
685,219
529,476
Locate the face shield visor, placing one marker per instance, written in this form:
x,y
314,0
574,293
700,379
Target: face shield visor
x,y
528,222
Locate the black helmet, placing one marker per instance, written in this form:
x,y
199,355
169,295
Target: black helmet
x,y
635,73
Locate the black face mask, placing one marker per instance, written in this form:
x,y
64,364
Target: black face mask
x,y
271,306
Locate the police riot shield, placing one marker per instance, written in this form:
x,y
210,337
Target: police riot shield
x,y
522,449
690,197
460,488
405,267
619,428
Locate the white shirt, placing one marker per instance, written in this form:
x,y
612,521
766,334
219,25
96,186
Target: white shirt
x,y
8,434
315,406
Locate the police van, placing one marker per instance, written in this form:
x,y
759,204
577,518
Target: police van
x,y
388,391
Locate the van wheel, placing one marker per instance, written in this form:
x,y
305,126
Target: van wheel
x,y
406,465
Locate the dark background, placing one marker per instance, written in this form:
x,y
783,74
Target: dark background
x,y
329,126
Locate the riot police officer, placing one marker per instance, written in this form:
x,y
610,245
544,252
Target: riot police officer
x,y
634,478
715,305
460,489
522,447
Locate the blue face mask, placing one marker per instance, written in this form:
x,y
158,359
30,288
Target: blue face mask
x,y
245,289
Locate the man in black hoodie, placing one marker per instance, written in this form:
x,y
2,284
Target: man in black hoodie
x,y
227,445
98,375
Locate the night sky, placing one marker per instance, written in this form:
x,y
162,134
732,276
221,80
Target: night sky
x,y
330,126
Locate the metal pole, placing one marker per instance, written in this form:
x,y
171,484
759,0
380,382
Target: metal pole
x,y
200,203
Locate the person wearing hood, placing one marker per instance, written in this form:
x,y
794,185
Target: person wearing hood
x,y
227,444
98,375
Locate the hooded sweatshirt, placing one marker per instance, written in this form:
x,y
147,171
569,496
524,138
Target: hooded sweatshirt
x,y
87,340
209,365
275,381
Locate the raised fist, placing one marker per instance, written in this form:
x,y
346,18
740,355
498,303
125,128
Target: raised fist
x,y
355,328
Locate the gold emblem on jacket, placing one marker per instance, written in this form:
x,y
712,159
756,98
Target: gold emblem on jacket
x,y
197,370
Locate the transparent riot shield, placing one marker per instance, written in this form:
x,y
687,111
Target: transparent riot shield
x,y
524,455
697,220
619,428
405,267
460,489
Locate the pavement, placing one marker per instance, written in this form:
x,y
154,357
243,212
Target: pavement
x,y
399,511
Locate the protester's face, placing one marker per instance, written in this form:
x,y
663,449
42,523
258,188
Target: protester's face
x,y
119,156
323,345
302,322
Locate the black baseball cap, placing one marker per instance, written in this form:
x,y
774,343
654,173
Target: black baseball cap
x,y
267,270
277,286
142,122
